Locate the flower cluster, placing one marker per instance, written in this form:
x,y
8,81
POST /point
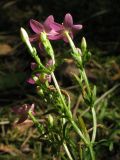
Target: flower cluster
x,y
54,31
42,77
49,30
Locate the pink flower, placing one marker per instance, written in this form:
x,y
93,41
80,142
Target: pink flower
x,y
67,25
23,111
45,27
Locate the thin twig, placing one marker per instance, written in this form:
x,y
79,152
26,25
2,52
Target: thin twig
x,y
77,105
106,94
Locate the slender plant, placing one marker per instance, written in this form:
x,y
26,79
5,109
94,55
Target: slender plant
x,y
60,122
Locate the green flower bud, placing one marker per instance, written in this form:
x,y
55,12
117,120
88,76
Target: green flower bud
x,y
46,43
40,91
25,39
83,45
50,119
24,34
35,78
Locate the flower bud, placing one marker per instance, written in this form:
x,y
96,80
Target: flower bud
x,y
83,45
40,91
25,39
35,78
47,46
79,51
50,119
24,35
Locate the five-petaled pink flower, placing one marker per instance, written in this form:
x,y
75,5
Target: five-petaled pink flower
x,y
45,27
67,25
23,111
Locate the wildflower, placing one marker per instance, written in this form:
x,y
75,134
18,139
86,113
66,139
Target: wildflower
x,y
66,26
45,27
23,111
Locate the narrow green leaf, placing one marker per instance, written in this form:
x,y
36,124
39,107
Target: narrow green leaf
x,y
83,127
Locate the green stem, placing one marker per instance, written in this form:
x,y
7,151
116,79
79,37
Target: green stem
x,y
94,125
72,45
89,94
91,152
79,132
68,111
74,51
62,99
67,151
92,108
35,121
47,45
86,82
58,89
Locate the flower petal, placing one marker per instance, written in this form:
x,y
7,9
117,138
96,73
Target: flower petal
x,y
34,38
36,26
23,111
56,26
76,27
40,45
68,20
32,107
22,118
17,110
47,23
31,81
65,39
71,35
55,37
